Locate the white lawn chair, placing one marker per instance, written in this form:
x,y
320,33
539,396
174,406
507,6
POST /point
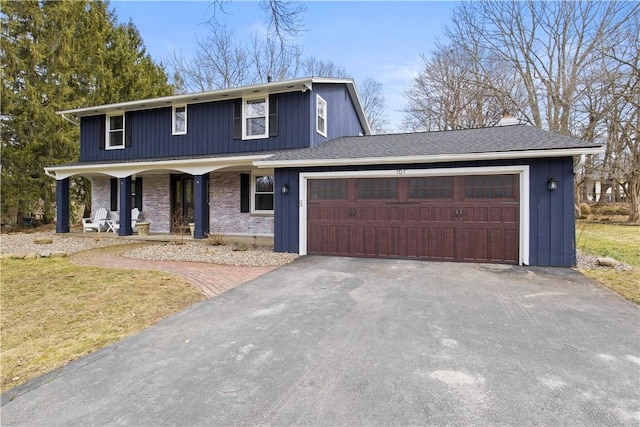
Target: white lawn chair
x,y
98,223
135,213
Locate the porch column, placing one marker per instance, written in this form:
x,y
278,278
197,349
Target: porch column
x,y
125,207
62,205
201,205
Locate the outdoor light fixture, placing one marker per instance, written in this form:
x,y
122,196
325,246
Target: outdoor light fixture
x,y
552,184
285,188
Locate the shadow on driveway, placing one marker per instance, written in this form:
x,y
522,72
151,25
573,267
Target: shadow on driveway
x,y
342,341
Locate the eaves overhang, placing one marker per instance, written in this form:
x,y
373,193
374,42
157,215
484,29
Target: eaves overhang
x,y
301,85
438,158
198,166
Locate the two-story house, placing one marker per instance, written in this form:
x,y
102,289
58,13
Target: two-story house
x,y
295,160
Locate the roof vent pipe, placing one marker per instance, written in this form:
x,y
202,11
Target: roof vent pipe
x,y
269,79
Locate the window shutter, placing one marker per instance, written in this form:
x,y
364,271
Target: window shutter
x,y
245,192
114,195
103,132
237,119
273,115
127,129
138,184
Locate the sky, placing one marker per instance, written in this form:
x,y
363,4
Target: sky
x,y
383,40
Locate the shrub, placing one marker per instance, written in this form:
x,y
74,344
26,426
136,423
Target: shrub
x,y
585,210
216,239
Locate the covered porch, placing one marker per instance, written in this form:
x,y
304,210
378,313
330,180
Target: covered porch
x,y
169,186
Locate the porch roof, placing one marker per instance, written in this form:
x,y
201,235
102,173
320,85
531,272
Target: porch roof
x,y
191,165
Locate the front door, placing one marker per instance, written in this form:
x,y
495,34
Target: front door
x,y
181,202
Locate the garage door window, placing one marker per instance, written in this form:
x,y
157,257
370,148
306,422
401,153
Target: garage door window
x,y
377,188
430,188
489,187
328,189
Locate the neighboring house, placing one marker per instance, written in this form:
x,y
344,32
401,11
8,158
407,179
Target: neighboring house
x,y
295,160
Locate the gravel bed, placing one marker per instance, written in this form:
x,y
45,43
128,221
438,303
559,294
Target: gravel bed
x,y
590,262
22,243
254,256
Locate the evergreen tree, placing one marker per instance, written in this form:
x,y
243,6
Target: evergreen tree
x,y
57,55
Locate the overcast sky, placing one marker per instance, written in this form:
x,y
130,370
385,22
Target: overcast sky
x,y
381,40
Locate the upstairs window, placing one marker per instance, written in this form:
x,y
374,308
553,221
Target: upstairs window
x,y
115,131
321,115
179,121
255,124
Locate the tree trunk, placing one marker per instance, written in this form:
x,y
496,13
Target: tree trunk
x,y
633,194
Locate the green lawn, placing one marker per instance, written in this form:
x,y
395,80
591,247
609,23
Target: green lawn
x,y
621,242
54,312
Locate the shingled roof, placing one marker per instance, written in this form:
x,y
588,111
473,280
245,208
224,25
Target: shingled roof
x,y
493,142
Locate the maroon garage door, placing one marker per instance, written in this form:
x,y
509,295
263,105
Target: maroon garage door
x,y
456,218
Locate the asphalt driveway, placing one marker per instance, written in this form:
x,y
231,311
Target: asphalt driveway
x,y
337,341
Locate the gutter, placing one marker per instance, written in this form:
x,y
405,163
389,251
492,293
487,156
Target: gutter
x,y
362,161
73,122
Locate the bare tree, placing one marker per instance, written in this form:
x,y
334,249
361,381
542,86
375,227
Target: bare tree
x,y
374,105
563,66
315,67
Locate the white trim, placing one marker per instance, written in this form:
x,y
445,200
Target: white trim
x,y
107,141
265,99
122,170
173,119
286,86
252,202
525,154
521,170
320,100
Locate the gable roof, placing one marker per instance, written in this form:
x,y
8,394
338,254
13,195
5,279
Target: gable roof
x,y
297,85
515,141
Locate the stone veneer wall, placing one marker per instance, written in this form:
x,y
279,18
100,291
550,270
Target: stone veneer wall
x,y
224,208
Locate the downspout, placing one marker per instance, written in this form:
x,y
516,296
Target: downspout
x,y
73,122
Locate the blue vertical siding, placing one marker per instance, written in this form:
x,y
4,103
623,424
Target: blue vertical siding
x,y
286,231
342,119
551,213
209,132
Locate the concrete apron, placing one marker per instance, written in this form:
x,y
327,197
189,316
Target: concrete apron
x,y
339,341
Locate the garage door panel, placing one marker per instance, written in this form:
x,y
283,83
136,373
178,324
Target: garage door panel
x,y
446,218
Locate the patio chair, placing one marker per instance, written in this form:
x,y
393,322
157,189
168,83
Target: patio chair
x,y
98,223
135,213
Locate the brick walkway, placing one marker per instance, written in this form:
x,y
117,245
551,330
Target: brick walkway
x,y
211,279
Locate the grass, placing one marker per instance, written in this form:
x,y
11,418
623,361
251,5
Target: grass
x,y
54,312
620,242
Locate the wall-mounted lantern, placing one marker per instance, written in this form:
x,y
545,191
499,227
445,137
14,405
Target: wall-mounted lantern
x,y
285,188
552,184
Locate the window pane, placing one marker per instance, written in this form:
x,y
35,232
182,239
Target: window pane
x,y
264,184
180,119
116,139
116,122
430,188
377,188
255,108
264,202
256,126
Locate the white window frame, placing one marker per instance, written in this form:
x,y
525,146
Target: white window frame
x,y
320,101
174,112
107,144
245,101
254,175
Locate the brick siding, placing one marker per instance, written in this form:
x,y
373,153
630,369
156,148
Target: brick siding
x,y
224,204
